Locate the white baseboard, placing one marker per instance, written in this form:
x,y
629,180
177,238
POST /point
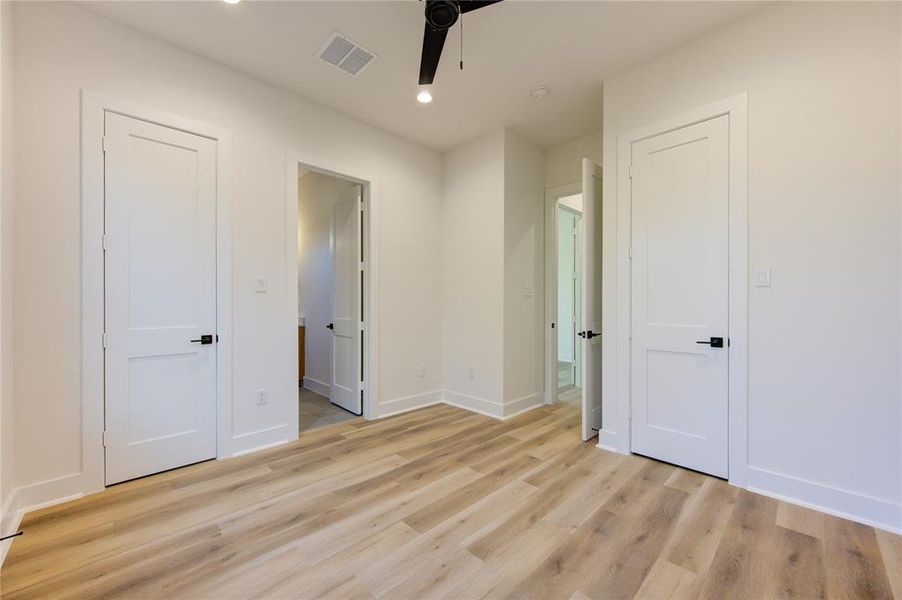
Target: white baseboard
x,y
316,386
35,497
853,506
490,408
407,403
252,441
523,404
607,440
10,519
263,447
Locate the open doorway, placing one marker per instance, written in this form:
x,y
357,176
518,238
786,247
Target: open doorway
x,y
573,297
331,271
568,218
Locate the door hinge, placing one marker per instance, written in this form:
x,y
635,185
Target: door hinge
x,y
103,339
103,436
631,170
105,242
630,253
103,144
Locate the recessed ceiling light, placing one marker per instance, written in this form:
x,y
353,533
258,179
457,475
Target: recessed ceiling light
x,y
424,97
231,1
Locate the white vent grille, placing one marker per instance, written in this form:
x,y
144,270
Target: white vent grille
x,y
346,54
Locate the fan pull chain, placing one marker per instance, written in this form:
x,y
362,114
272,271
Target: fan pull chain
x,y
461,41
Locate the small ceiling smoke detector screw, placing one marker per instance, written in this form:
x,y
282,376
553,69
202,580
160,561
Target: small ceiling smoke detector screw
x,y
540,93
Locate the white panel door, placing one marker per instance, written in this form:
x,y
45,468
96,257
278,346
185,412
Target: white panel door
x,y
590,298
160,279
346,318
680,204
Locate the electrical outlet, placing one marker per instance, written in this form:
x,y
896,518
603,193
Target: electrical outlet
x,y
262,397
421,371
471,373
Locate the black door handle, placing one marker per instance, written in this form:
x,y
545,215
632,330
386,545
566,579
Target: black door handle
x,y
714,342
588,334
205,339
330,326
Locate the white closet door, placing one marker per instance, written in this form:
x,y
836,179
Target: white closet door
x,y
160,278
680,202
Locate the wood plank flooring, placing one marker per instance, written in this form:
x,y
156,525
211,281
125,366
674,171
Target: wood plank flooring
x,y
443,503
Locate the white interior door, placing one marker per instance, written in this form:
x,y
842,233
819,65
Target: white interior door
x,y
680,296
590,337
345,388
160,296
568,317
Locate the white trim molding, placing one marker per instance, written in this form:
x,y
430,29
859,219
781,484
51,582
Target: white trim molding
x,y
736,108
405,404
493,408
36,496
93,108
371,208
316,386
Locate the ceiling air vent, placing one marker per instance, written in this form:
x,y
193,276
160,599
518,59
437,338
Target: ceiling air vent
x,y
345,54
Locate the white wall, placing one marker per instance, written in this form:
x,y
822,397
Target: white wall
x,y
63,49
472,269
7,442
317,196
524,246
492,246
823,83
563,162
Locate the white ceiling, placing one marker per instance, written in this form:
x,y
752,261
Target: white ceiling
x,y
510,48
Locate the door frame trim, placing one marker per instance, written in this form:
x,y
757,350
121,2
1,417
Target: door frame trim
x,y
312,162
93,108
736,107
552,195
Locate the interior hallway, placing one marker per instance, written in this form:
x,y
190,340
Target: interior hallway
x,y
316,411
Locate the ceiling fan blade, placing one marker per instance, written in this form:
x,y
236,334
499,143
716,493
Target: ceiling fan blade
x,y
471,5
433,42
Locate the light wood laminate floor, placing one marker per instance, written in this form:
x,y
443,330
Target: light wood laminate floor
x,y
443,503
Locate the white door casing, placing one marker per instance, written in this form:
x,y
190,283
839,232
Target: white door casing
x,y
591,339
680,296
160,293
345,388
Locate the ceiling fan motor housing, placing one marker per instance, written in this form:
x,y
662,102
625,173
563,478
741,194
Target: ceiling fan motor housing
x,y
442,14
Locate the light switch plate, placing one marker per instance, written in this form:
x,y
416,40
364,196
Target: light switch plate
x,y
527,291
762,276
260,284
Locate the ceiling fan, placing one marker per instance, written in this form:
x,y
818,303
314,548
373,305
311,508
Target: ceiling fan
x,y
441,15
